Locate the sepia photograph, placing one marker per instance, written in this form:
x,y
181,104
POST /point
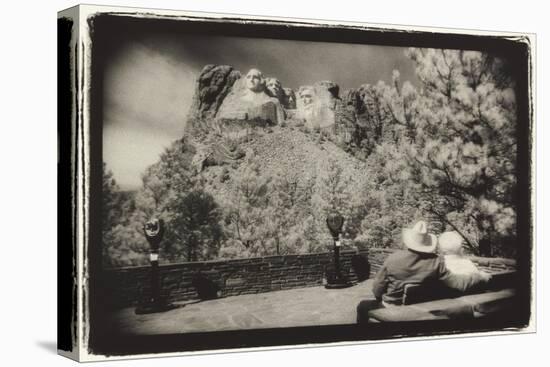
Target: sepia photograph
x,y
259,183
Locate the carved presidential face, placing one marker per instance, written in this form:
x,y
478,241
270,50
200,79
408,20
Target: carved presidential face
x,y
306,96
254,80
274,87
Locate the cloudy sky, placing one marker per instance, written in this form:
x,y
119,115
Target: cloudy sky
x,y
149,84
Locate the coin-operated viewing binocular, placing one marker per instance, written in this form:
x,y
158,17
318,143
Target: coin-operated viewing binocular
x,y
335,222
335,278
154,230
154,302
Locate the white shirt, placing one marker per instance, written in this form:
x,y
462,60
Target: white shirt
x,y
459,265
464,274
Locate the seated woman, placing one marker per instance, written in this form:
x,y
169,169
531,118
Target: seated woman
x,y
464,273
417,264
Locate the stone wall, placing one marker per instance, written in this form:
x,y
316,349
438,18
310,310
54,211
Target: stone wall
x,y
125,286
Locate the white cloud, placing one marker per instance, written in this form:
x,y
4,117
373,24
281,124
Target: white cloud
x,y
147,96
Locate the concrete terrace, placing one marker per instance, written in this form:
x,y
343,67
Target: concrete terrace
x,y
312,306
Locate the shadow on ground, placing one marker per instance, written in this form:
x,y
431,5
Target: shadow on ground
x,y
49,346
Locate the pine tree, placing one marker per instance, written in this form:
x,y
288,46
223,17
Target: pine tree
x,y
195,228
246,212
456,145
121,247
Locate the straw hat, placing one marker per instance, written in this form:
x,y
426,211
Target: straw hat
x,y
418,239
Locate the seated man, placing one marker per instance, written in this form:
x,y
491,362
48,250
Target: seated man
x,y
417,264
450,246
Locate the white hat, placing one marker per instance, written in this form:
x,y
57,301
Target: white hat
x,y
450,243
418,239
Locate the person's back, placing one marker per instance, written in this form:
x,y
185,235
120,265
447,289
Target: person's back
x,y
415,265
405,267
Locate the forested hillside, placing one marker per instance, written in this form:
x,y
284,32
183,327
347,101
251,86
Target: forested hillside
x,y
444,151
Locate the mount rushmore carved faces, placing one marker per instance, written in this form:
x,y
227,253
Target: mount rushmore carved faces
x,y
254,80
274,87
254,97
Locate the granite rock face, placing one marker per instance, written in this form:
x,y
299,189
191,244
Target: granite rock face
x,y
224,96
213,85
332,88
352,98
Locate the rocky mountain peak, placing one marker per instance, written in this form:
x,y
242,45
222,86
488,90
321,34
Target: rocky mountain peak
x,y
223,93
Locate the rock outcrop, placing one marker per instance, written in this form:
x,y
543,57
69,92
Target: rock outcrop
x,y
213,85
332,88
352,98
230,104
